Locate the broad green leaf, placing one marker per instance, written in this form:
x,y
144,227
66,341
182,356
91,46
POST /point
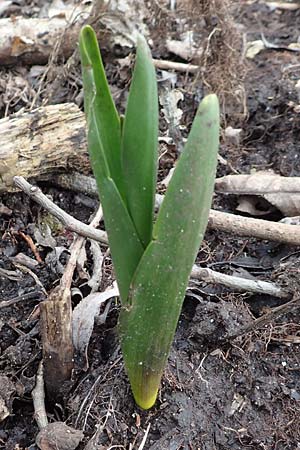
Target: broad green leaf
x,y
124,242
148,323
97,96
139,143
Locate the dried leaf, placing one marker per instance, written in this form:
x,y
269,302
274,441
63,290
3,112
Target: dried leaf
x,y
169,77
46,239
233,135
25,260
53,259
58,435
252,205
169,100
281,192
254,48
295,46
4,412
95,280
57,9
7,389
237,404
4,210
66,10
80,263
166,181
84,316
291,220
126,19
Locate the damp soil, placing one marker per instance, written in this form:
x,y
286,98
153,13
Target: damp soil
x,y
217,393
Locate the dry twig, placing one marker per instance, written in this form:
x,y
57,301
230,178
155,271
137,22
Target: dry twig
x,y
258,228
218,220
20,298
32,246
179,67
68,221
230,223
276,312
237,283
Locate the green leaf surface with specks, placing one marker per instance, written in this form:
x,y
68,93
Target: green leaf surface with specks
x,y
148,322
152,263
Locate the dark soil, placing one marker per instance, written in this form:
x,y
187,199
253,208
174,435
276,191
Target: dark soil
x,y
216,393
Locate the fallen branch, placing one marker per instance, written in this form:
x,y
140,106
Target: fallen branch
x,y
68,221
237,283
177,66
276,312
21,298
99,235
37,144
283,5
30,41
218,220
258,228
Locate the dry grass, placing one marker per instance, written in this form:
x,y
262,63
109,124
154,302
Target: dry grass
x,y
222,62
222,69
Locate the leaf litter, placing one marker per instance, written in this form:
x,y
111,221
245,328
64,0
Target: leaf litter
x,y
281,192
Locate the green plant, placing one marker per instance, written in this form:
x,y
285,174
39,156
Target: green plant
x,y
152,262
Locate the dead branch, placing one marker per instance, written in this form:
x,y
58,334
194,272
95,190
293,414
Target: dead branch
x,y
218,220
68,221
221,221
258,228
283,5
42,142
99,235
20,298
276,312
56,333
237,283
177,66
31,41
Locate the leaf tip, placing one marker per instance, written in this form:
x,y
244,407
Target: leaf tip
x,y
142,45
210,100
86,32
